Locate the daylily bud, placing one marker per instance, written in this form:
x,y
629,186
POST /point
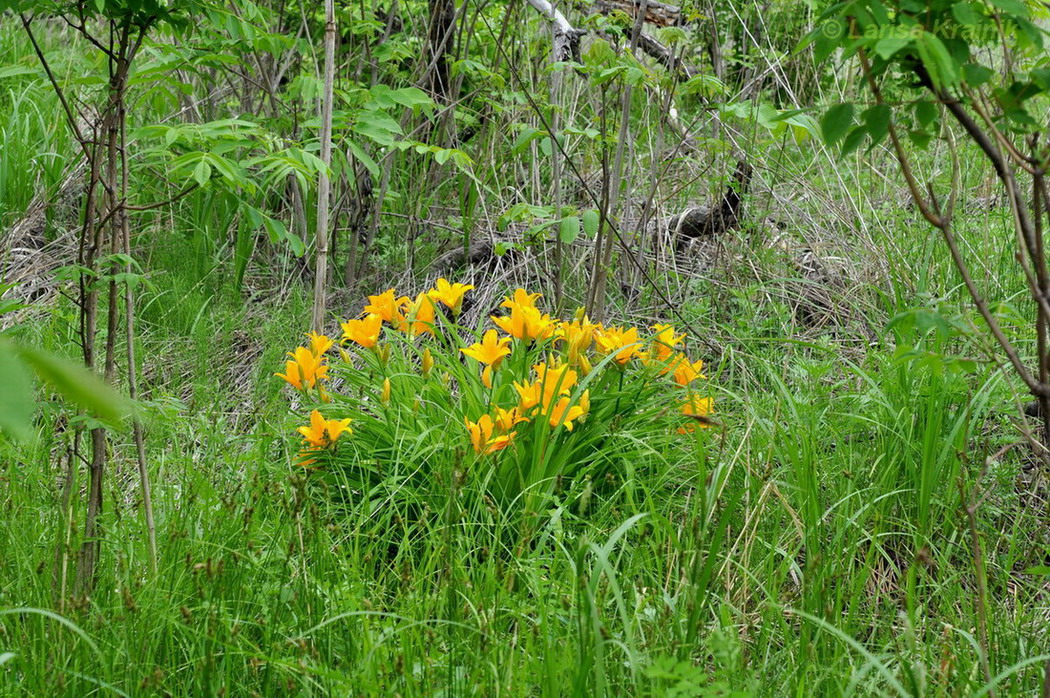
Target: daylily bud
x,y
416,404
384,353
344,355
428,362
446,379
385,396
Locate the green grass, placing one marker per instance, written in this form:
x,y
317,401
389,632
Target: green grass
x,y
815,546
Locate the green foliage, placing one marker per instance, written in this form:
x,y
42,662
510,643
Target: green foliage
x,y
939,50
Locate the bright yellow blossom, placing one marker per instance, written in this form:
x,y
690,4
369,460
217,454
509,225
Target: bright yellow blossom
x,y
321,434
304,370
563,415
364,332
623,343
449,294
685,371
506,419
521,298
387,306
698,409
551,382
319,343
578,336
420,315
525,323
665,341
484,437
490,350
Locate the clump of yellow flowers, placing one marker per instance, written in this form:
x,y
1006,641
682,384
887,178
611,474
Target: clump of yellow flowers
x,y
521,384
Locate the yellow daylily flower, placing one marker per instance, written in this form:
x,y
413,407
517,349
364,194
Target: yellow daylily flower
x,y
319,343
578,336
623,343
304,370
698,409
449,294
364,331
491,350
551,382
483,435
387,306
563,415
521,298
292,375
685,371
320,434
419,316
525,323
665,341
506,419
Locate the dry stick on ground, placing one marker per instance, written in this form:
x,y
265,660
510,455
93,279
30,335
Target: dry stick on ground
x,y
323,183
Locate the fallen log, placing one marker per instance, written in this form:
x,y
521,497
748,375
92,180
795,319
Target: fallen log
x,y
657,13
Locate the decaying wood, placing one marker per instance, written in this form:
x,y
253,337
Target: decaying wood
x,y
706,221
665,56
658,13
566,38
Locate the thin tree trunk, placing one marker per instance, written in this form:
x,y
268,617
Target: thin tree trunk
x,y
129,327
323,183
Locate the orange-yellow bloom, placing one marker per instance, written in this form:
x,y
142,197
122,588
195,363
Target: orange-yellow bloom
x,y
614,340
578,336
483,435
525,323
305,369
685,371
521,298
506,419
387,306
665,341
321,433
420,315
697,409
490,350
364,332
319,343
449,294
551,382
563,415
